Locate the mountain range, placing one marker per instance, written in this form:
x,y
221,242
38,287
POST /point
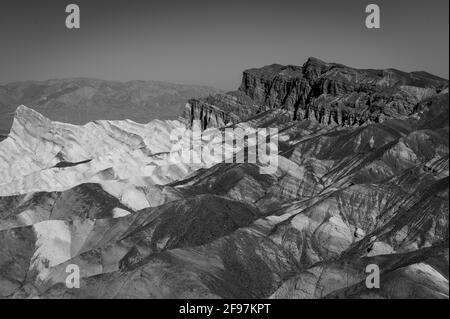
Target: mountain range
x,y
362,179
82,100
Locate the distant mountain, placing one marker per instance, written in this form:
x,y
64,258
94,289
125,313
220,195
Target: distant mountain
x,y
81,100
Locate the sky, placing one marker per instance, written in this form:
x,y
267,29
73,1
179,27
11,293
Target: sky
x,y
212,42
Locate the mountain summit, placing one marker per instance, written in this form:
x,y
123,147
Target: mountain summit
x,y
329,93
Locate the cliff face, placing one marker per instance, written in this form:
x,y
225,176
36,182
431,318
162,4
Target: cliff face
x,y
219,110
331,93
209,115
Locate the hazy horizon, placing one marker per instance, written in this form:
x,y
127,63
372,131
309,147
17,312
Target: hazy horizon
x,y
210,42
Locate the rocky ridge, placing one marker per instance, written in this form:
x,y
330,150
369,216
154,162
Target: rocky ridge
x,y
82,100
328,93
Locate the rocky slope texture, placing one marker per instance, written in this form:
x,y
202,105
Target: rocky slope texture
x,y
42,155
79,101
106,197
328,93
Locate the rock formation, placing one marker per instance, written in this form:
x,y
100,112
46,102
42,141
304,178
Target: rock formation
x,y
328,93
368,185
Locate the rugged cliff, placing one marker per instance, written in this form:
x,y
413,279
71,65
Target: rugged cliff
x,y
219,110
328,93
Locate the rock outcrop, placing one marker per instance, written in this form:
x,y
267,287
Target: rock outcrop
x,y
328,93
219,110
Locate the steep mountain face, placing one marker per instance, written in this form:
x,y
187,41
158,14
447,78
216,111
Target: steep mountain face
x,y
79,101
328,93
107,197
219,110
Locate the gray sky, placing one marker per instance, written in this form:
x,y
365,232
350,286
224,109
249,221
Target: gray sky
x,y
212,42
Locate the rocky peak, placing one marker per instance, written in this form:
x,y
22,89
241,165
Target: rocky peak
x,y
313,68
26,119
329,93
